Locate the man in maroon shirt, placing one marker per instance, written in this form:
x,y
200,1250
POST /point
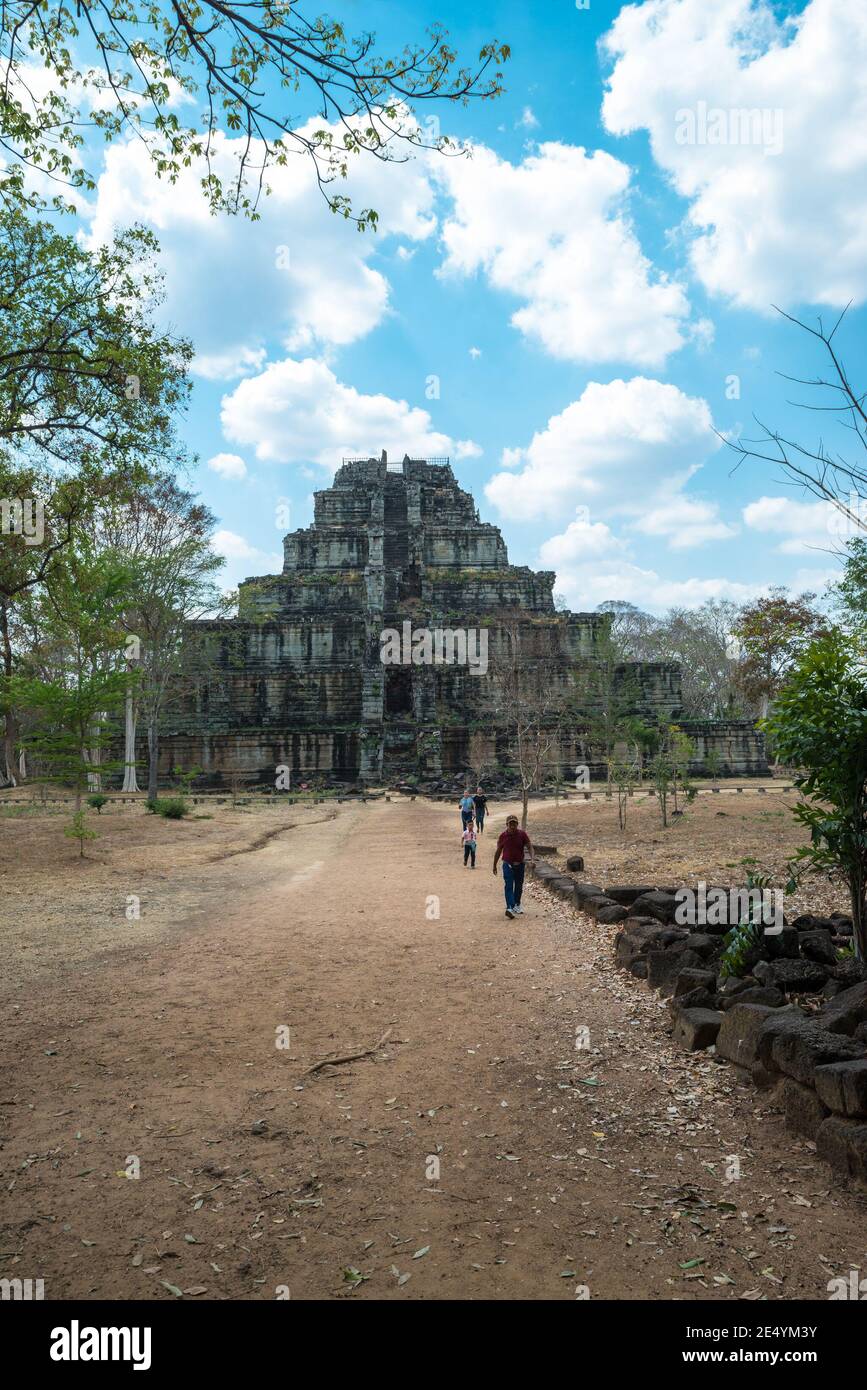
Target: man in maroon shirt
x,y
516,850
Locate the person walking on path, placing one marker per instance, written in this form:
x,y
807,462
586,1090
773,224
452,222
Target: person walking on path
x,y
516,849
468,840
468,808
480,801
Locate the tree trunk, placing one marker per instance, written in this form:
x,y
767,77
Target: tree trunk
x,y
153,759
130,781
11,729
94,778
525,805
859,918
9,750
22,765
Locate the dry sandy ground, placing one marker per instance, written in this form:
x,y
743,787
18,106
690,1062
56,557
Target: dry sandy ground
x,y
557,1167
720,838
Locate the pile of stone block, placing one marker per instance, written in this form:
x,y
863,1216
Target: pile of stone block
x,y
796,1021
815,1057
818,1065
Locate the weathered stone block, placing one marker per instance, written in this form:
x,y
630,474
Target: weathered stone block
x,y
846,1010
798,1049
562,886
705,945
544,870
615,912
784,945
740,1032
841,924
808,921
791,976
587,890
802,1107
622,893
843,1144
733,985
692,977
575,863
695,1029
842,1087
849,972
758,994
695,999
634,940
662,906
663,968
593,905
818,946
677,937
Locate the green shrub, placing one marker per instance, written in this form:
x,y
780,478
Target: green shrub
x,y
97,802
739,943
172,808
819,725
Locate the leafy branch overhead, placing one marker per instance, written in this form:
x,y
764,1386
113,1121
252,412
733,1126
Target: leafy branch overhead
x,y
84,370
254,68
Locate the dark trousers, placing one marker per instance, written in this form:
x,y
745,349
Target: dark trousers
x,y
480,820
466,817
470,853
513,883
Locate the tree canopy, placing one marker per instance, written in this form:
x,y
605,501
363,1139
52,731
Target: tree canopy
x,y
118,67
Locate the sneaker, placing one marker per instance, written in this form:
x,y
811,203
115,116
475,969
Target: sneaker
x,y
519,910
509,912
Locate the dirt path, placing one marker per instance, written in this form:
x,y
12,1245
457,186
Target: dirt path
x,y
557,1167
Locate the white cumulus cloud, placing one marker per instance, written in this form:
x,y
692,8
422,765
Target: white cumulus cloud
x,y
761,123
593,565
468,449
299,275
230,364
685,522
615,447
299,412
802,526
228,466
554,232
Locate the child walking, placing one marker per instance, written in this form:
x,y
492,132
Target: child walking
x,y
468,840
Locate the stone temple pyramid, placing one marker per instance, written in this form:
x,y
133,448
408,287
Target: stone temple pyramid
x,y
396,561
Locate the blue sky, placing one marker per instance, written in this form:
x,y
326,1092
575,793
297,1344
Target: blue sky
x,y
569,314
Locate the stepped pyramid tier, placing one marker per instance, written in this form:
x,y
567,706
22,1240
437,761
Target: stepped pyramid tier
x,y
373,656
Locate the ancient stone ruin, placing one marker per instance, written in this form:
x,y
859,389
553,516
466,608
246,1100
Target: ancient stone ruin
x,y
794,1020
374,656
